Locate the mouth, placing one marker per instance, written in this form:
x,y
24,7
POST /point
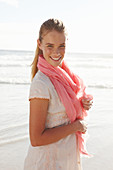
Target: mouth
x,y
55,59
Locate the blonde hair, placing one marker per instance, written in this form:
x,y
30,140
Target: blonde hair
x,y
47,26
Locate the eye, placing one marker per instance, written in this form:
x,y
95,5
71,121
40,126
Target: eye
x,y
62,46
50,46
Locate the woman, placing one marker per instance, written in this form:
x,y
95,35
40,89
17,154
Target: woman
x,y
57,105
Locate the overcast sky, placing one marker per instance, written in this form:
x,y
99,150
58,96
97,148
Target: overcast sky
x,y
89,23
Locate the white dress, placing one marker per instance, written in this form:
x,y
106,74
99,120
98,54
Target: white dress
x,y
61,155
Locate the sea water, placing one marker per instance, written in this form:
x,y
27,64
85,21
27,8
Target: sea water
x,y
15,76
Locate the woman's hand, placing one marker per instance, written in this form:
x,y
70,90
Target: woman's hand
x,y
87,103
80,125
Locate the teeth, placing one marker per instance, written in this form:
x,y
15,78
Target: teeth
x,y
56,58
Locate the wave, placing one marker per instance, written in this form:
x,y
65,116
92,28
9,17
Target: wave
x,y
101,86
23,82
72,64
12,127
10,141
15,82
14,65
13,134
89,65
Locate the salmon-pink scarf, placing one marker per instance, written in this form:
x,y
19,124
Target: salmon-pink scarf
x,y
70,89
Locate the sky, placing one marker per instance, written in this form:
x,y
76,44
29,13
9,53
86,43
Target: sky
x,y
89,23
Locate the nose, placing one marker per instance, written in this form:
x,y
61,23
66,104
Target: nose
x,y
56,52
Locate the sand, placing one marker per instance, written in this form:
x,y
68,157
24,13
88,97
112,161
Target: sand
x,y
99,143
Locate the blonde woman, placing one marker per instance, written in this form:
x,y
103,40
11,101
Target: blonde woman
x,y
58,105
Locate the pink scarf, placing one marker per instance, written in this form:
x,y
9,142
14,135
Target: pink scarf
x,y
70,89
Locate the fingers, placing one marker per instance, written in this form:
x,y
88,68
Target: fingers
x,y
84,126
87,104
87,101
81,125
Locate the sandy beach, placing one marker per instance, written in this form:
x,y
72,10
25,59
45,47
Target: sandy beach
x,y
100,132
99,142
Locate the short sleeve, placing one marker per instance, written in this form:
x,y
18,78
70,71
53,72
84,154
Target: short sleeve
x,y
39,89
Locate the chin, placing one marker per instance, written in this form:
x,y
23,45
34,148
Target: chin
x,y
56,64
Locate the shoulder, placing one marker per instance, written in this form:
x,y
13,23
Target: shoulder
x,y
40,78
40,86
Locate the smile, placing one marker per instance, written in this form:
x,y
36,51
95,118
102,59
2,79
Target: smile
x,y
55,59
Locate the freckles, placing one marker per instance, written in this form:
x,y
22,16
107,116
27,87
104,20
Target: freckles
x,y
48,51
62,51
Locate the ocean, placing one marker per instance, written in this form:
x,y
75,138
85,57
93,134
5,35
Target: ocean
x,y
97,72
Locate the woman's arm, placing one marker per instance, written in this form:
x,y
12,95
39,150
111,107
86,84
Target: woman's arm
x,y
41,136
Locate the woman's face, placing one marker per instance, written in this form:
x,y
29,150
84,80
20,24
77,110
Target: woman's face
x,y
53,47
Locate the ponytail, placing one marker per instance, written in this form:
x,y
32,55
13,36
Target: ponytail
x,y
34,68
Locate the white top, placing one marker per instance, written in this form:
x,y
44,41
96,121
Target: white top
x,y
42,87
60,155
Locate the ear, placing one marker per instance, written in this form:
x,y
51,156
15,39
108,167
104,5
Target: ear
x,y
39,44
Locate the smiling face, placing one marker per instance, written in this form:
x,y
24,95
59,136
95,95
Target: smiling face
x,y
53,47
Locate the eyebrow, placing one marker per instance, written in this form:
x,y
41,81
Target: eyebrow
x,y
53,44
